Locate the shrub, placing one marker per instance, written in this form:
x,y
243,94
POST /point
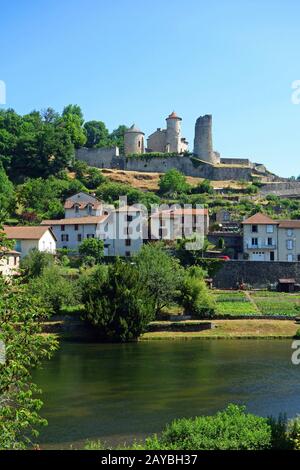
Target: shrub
x,y
92,248
35,262
54,289
195,296
231,429
118,302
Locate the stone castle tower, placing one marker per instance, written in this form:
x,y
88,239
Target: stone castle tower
x,y
134,141
173,134
203,146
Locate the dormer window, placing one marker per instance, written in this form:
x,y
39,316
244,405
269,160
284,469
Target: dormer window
x,y
76,207
89,208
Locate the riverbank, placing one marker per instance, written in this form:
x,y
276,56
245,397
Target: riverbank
x,y
232,329
68,328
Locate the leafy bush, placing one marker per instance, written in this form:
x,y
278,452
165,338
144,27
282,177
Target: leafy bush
x,y
35,262
231,429
54,289
195,296
92,248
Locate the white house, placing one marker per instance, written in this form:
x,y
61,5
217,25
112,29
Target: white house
x,y
30,237
86,217
9,262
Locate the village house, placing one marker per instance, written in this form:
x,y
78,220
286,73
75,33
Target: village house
x,y
266,239
176,223
9,262
28,238
86,217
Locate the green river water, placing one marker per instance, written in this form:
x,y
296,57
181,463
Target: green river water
x,y
118,392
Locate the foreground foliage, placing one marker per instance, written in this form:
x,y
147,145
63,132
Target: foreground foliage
x,y
20,327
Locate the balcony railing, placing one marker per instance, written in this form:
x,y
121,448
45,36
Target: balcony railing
x,y
261,246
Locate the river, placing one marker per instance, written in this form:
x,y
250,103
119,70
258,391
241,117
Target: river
x,y
120,392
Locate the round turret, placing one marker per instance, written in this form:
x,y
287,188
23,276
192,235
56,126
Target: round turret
x,y
134,140
173,137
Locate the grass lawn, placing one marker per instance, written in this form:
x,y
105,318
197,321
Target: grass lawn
x,y
236,329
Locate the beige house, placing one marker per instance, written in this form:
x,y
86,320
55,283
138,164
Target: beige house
x,y
28,238
266,239
172,224
9,262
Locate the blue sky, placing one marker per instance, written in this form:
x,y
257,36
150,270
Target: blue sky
x,y
126,61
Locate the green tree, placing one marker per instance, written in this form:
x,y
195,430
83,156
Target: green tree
x,y
160,273
97,134
54,289
117,137
173,182
6,191
72,121
20,327
92,247
35,262
117,302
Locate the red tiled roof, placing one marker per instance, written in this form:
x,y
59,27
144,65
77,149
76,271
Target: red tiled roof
x,y
76,220
173,115
26,233
70,204
289,223
259,219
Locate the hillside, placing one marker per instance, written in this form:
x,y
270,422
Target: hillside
x,y
149,181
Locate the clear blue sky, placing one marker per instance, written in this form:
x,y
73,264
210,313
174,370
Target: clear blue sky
x,y
126,61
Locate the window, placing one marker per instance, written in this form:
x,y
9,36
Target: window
x,y
129,218
65,237
298,257
127,242
270,228
76,209
90,235
254,228
290,258
62,228
290,244
79,237
76,227
270,241
89,208
254,241
289,232
127,253
272,256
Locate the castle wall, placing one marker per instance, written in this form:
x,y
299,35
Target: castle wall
x,y
284,188
156,142
235,161
188,165
99,158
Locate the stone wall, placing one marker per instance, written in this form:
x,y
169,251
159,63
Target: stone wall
x,y
190,166
284,188
99,158
258,274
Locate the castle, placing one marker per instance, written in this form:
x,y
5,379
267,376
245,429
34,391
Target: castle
x,y
167,148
